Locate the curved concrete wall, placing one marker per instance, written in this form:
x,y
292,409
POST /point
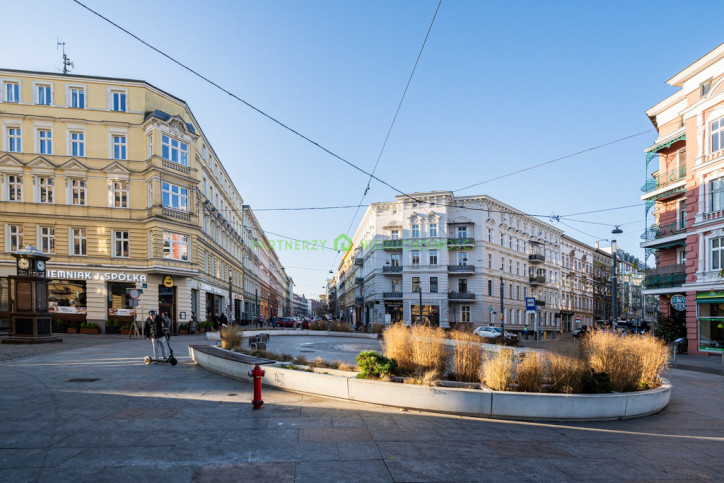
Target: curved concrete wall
x,y
476,402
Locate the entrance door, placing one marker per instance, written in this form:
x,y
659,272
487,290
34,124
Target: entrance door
x,y
167,303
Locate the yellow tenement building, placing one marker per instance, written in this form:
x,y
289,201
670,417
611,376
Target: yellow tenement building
x,y
114,179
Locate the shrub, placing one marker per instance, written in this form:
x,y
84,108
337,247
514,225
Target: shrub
x,y
319,325
338,326
467,356
231,337
397,346
565,373
631,362
301,360
375,365
497,370
529,373
428,350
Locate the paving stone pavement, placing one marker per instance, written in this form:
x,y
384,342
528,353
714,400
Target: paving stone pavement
x,y
96,412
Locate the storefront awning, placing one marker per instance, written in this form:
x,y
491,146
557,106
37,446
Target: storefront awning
x,y
715,300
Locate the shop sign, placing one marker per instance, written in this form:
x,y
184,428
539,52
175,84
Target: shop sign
x,y
168,281
210,288
106,276
678,302
120,312
56,309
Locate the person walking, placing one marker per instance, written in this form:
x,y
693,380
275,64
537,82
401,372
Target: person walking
x,y
153,327
525,331
166,324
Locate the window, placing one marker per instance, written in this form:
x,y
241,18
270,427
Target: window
x,y
704,88
118,101
510,266
416,284
78,242
176,151
490,235
15,187
175,246
77,144
517,268
490,287
45,190
517,290
462,232
433,257
118,146
415,257
502,264
395,234
465,313
14,140
45,138
120,194
433,229
502,239
42,95
510,290
490,261
174,196
463,285
415,231
395,259
462,258
12,92
47,239
15,238
77,97
77,191
120,244
681,255
396,286
433,284
717,135
716,194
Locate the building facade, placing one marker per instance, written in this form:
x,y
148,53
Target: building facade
x,y
115,180
445,260
684,195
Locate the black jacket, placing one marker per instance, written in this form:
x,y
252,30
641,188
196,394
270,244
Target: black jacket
x,y
154,328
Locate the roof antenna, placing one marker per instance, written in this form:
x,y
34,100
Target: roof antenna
x,y
66,60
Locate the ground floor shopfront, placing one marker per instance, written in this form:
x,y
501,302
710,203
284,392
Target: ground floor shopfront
x,y
103,296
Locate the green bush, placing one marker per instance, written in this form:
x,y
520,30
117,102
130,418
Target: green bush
x,y
374,365
596,382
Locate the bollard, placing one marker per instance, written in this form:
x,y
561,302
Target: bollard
x,y
257,373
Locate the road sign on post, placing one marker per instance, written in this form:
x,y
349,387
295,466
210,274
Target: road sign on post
x,y
530,305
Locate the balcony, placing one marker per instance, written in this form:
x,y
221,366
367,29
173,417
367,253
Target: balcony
x,y
392,295
359,261
660,231
460,243
359,300
359,280
666,276
462,296
536,258
661,180
392,244
536,280
392,269
461,268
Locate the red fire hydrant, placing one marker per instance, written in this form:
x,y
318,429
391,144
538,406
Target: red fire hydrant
x,y
257,373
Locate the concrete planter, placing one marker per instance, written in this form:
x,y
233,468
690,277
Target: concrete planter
x,y
476,402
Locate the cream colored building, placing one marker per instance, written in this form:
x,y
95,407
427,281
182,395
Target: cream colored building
x,y
114,179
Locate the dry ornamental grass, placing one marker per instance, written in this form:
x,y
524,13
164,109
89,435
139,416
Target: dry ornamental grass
x,y
231,337
467,356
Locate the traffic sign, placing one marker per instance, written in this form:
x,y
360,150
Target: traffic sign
x,y
530,304
134,293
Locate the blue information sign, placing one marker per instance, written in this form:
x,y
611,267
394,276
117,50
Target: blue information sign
x,y
530,303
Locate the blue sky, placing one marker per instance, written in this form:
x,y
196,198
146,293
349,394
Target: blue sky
x,y
499,87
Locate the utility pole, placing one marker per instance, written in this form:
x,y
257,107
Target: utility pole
x,y
614,281
502,314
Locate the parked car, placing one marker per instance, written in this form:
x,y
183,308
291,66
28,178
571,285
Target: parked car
x,y
286,322
494,332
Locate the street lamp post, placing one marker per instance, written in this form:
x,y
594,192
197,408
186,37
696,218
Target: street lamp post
x,y
614,281
231,300
502,312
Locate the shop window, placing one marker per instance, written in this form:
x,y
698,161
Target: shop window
x,y
67,297
119,302
711,327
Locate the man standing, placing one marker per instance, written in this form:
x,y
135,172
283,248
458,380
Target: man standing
x,y
525,331
153,328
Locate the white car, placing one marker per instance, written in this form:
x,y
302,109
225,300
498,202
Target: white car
x,y
493,332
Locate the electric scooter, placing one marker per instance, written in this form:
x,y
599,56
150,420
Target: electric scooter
x,y
171,359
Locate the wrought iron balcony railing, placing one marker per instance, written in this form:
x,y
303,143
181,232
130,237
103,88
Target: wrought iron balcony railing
x,y
392,269
660,180
461,268
665,280
392,244
659,231
359,300
392,295
536,258
536,279
359,261
461,296
359,280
